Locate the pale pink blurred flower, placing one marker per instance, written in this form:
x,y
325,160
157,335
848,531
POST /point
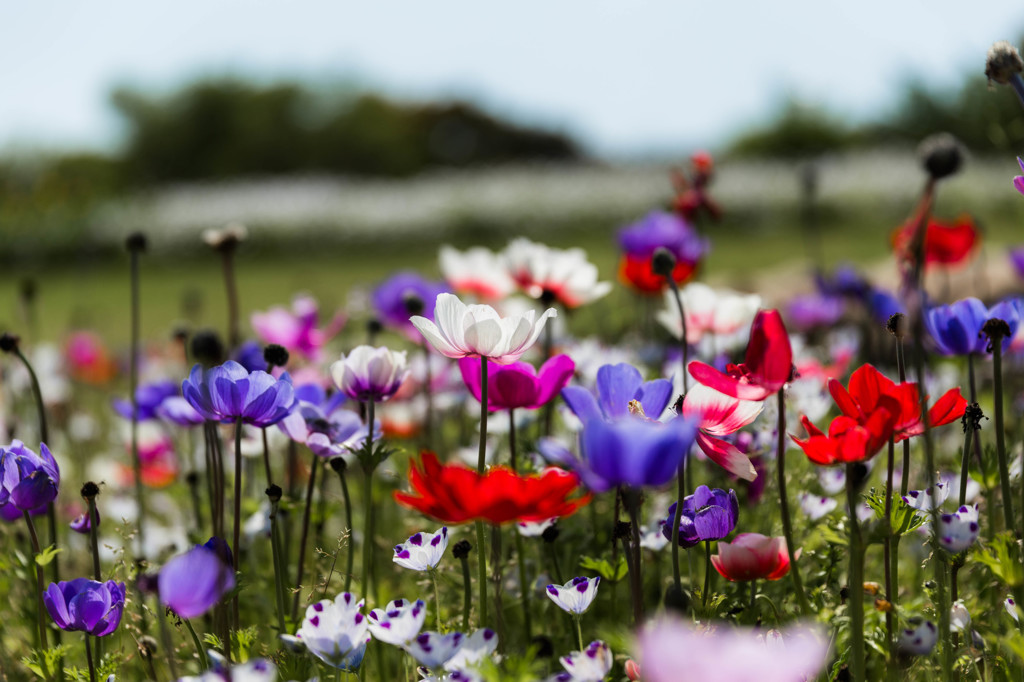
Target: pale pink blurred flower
x,y
708,311
476,272
564,275
297,329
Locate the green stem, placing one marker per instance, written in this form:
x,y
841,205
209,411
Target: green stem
x,y
304,537
1004,472
787,523
524,587
275,547
467,592
266,458
888,548
94,529
350,557
165,638
707,575
577,618
437,599
855,601
88,657
481,553
200,650
676,516
41,619
236,534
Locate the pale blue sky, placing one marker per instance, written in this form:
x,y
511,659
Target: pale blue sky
x,y
625,76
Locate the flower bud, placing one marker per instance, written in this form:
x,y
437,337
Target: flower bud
x,y
9,342
663,262
941,155
972,417
90,490
550,534
135,242
460,550
207,348
274,493
1002,62
897,325
275,356
339,464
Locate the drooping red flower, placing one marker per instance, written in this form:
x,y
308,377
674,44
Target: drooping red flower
x,y
767,367
453,493
944,243
868,386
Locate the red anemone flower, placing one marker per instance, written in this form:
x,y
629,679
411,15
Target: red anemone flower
x,y
767,367
636,272
868,386
849,440
944,243
453,493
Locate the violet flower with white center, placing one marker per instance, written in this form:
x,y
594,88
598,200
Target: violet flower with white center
x,y
179,411
399,623
534,529
575,596
919,639
336,631
590,665
434,649
959,530
422,551
924,500
369,373
474,649
815,507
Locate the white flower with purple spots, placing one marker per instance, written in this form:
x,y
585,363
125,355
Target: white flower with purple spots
x,y
432,649
1011,608
832,479
576,595
422,551
590,665
815,507
474,649
399,623
959,530
256,670
336,631
919,639
534,529
924,500
959,617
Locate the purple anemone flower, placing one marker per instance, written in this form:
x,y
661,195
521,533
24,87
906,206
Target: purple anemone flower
x,y
956,328
814,310
1017,260
229,392
708,514
28,480
179,411
250,356
86,605
149,397
191,583
660,228
845,281
392,297
83,523
617,385
323,425
625,452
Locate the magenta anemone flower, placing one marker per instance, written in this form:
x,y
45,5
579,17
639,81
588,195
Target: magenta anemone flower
x,y
721,415
674,651
1018,181
229,392
86,605
767,367
27,480
296,329
519,384
191,583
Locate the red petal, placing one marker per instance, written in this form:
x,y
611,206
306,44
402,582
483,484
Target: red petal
x,y
723,383
769,357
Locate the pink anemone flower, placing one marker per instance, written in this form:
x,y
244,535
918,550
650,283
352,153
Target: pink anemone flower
x,y
768,362
519,384
296,330
721,415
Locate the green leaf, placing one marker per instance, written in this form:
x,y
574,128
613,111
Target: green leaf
x,y
1000,557
47,555
604,568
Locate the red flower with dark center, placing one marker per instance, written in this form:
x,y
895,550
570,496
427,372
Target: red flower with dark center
x,y
453,493
868,386
636,272
767,367
944,243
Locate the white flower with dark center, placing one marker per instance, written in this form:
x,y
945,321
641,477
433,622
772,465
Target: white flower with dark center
x,y
336,631
433,649
474,649
422,551
590,665
399,623
816,507
919,639
369,373
959,530
576,595
564,275
478,330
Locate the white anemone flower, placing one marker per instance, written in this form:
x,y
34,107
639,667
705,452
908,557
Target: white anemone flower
x,y
959,530
722,312
959,617
575,596
369,373
399,623
422,551
476,272
478,330
565,275
590,665
919,639
336,631
474,649
433,649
